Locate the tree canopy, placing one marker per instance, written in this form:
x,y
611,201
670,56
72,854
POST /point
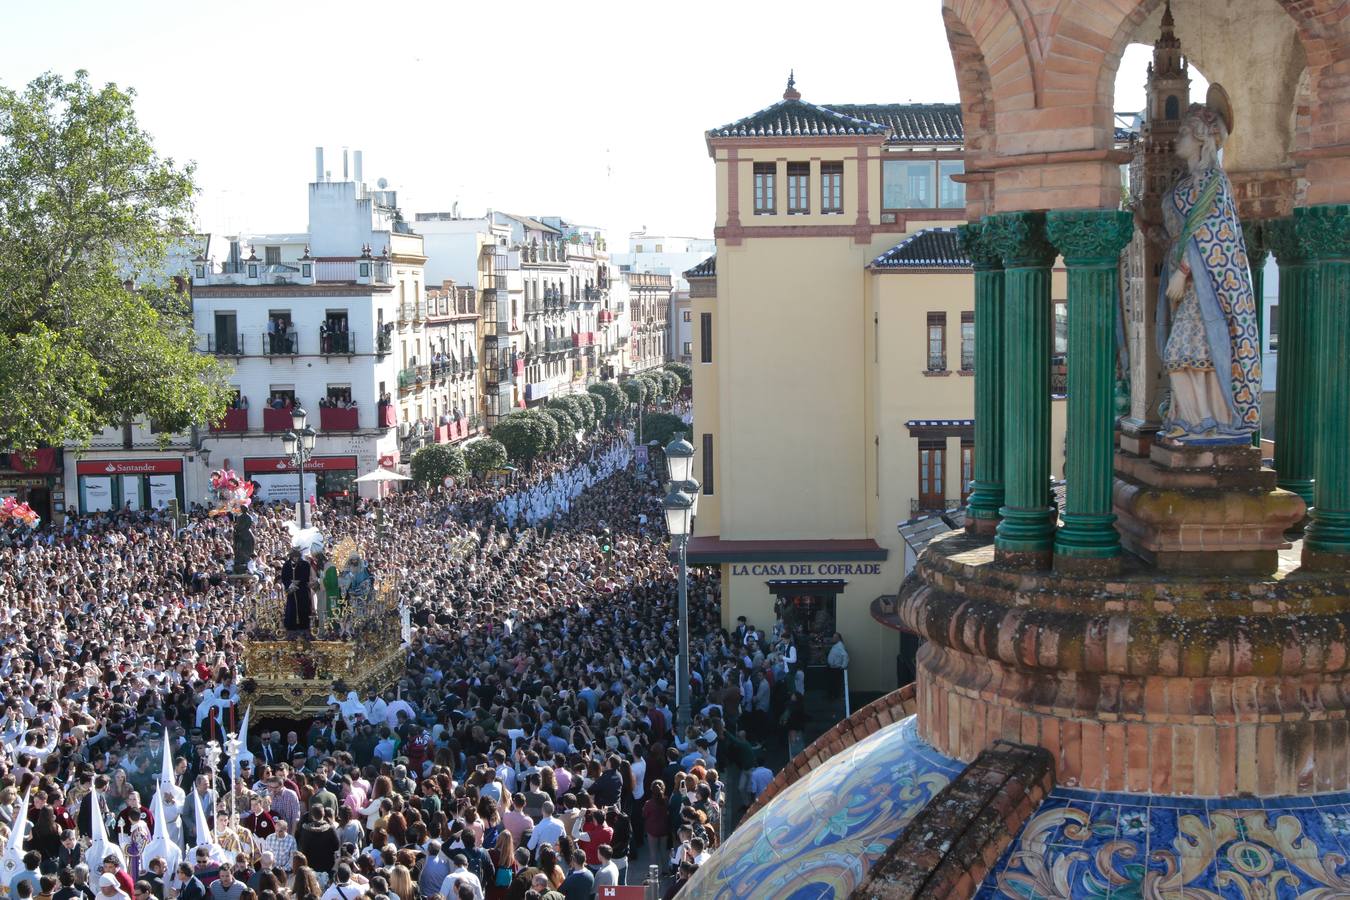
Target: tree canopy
x,y
484,455
87,206
432,464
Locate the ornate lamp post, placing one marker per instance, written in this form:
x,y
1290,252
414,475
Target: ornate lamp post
x,y
681,505
299,446
233,747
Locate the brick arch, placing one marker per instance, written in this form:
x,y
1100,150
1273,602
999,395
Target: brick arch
x,y
1001,35
1323,30
977,112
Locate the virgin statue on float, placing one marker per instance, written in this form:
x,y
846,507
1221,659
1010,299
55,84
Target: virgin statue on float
x,y
1207,322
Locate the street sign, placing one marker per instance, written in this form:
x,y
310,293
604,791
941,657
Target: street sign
x,y
623,892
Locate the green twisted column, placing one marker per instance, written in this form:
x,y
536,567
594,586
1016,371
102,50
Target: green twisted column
x,y
1025,536
1254,236
1326,233
1296,374
986,491
1090,241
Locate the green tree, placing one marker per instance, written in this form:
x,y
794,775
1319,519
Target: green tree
x,y
673,384
661,427
636,390
616,403
554,436
86,205
524,438
432,464
587,402
561,417
686,374
484,455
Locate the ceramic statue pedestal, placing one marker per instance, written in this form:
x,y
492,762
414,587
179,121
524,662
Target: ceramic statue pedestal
x,y
1200,508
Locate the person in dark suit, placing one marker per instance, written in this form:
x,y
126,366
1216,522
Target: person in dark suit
x,y
580,883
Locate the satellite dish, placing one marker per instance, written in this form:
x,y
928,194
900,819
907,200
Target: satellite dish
x,y
382,183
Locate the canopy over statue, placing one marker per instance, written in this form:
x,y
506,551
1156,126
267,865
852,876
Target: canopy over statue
x,y
292,661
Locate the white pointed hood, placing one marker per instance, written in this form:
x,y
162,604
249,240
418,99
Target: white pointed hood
x,y
244,753
160,843
99,846
166,781
11,863
204,836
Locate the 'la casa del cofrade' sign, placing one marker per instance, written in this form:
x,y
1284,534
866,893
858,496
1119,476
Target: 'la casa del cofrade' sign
x,y
805,570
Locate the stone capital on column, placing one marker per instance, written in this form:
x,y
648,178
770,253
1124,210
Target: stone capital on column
x,y
1283,239
974,240
1020,239
1090,237
1325,231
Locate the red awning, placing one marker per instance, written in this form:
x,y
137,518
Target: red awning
x,y
129,466
265,465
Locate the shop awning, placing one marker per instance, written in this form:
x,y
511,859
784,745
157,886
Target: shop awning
x,y
799,586
712,549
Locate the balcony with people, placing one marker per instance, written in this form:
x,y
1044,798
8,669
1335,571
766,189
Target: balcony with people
x,y
235,420
334,338
338,411
281,337
386,414
277,414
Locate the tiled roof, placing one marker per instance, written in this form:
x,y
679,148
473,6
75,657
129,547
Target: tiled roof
x,y
901,123
932,248
910,123
705,269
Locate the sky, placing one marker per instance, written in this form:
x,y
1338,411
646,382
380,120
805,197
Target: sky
x,y
593,111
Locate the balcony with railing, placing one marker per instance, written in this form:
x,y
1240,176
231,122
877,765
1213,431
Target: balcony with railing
x,y
280,343
457,430
333,418
225,344
276,420
334,343
296,272
968,360
234,421
413,376
937,362
583,339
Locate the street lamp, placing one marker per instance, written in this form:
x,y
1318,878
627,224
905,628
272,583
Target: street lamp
x,y
680,507
298,445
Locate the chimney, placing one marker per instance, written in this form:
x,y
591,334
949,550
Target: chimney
x,y
318,164
344,164
356,165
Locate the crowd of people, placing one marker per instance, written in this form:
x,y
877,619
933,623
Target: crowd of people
x,y
529,752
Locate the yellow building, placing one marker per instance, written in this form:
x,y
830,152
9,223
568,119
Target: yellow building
x,y
832,344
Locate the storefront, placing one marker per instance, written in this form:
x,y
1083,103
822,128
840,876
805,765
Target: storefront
x,y
108,484
815,587
325,476
34,478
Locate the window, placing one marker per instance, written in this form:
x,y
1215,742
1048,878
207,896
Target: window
x,y
658,248
272,256
705,337
1273,328
639,248
967,469
967,342
686,315
799,188
227,334
707,465
688,349
832,188
339,393
907,184
932,462
937,342
951,194
1061,327
765,202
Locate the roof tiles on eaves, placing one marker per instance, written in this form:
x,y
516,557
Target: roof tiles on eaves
x,y
900,123
932,248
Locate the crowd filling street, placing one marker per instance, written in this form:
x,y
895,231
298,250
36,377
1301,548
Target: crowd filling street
x,y
530,750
